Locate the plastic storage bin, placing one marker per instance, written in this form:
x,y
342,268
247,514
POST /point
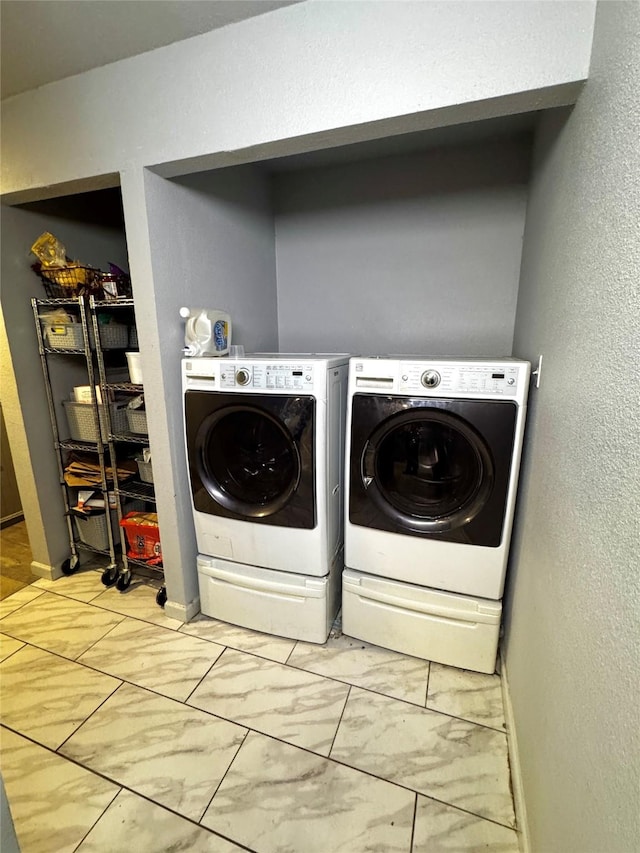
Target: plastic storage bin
x,y
137,419
135,368
82,420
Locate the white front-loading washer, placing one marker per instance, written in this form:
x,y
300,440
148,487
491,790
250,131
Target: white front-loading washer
x,y
433,450
265,449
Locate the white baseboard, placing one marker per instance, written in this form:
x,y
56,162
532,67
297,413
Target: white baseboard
x,y
182,612
524,839
43,570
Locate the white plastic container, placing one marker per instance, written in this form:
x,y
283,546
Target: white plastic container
x,y
207,332
135,368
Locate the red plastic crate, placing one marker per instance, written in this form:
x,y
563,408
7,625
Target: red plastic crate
x,y
143,536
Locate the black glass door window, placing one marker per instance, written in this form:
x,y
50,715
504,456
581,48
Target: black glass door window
x,y
248,461
429,470
251,456
429,467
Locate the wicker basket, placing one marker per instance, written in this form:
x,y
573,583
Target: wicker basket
x,y
113,335
145,470
137,421
64,336
74,281
92,530
68,336
81,418
133,337
68,282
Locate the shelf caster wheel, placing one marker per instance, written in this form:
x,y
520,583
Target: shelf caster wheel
x,y
123,581
69,566
110,576
161,597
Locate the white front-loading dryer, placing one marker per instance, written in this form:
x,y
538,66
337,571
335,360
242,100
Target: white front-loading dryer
x,y
433,450
265,449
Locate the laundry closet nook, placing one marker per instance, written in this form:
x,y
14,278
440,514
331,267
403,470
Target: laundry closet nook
x,y
442,179
407,244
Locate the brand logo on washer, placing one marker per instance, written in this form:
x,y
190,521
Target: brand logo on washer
x,y
359,367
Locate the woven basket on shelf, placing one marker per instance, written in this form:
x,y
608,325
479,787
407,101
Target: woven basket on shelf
x,y
64,336
92,530
68,336
81,418
137,421
113,335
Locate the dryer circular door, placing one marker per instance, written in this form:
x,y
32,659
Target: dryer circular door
x,y
251,456
432,468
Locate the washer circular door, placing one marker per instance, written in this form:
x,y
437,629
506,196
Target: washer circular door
x,y
428,470
247,460
251,456
431,467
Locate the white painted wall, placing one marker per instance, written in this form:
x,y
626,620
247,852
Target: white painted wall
x,y
417,253
307,76
573,610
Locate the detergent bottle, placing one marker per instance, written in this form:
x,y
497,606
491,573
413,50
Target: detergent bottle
x,y
207,332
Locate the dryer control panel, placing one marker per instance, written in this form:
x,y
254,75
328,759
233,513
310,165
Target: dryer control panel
x,y
466,378
281,376
459,379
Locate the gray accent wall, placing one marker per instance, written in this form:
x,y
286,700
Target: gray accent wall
x,y
417,253
211,245
573,612
308,76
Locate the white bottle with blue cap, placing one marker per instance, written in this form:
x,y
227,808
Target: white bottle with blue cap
x,y
207,332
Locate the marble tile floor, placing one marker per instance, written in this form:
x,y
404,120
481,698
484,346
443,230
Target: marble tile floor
x,y
123,729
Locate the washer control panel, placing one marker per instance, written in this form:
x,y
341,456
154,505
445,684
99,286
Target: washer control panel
x,y
283,376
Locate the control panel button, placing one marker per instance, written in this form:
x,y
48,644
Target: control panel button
x,y
243,376
430,379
